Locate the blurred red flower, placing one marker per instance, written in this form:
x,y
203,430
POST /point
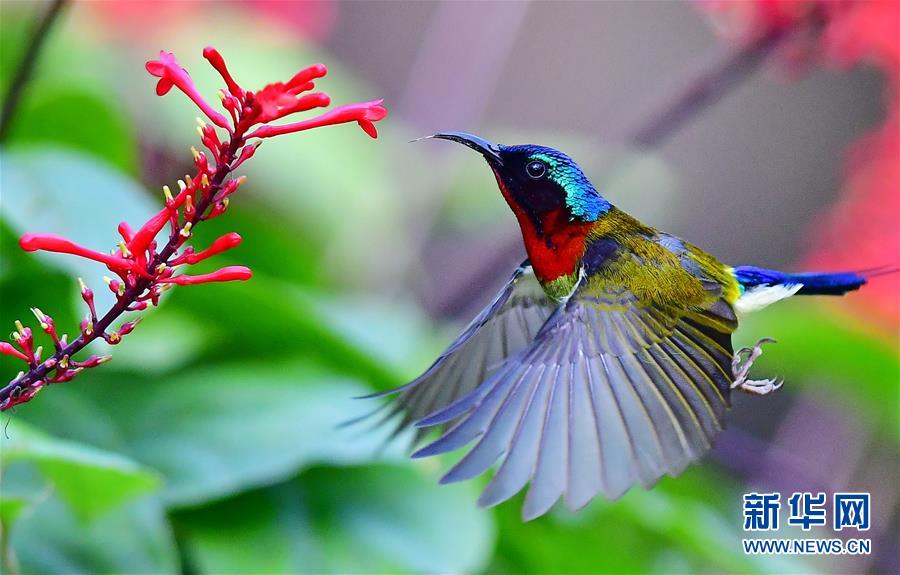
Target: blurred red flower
x,y
862,230
840,33
127,20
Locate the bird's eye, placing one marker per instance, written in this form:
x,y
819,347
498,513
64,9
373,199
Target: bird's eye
x,y
536,170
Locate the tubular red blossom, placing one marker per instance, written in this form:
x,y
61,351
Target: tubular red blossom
x,y
86,327
231,104
306,75
226,274
66,375
202,163
218,209
246,153
22,397
129,326
116,287
88,296
143,272
189,206
125,231
8,349
215,59
211,140
230,187
54,243
141,240
92,361
275,103
170,73
25,339
47,324
221,244
364,113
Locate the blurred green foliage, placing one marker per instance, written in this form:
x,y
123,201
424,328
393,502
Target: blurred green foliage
x,y
211,442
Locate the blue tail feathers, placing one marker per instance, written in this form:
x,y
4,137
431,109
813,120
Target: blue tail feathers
x,y
814,283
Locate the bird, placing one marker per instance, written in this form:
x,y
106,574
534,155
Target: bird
x,y
606,360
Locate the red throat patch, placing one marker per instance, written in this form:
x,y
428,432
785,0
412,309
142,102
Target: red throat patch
x,y
559,250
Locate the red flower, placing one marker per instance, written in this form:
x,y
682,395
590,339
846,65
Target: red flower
x,y
838,32
54,243
272,102
171,74
861,230
749,20
865,32
283,21
364,114
226,274
8,349
144,264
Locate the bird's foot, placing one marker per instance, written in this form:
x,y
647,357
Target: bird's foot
x,y
759,386
740,368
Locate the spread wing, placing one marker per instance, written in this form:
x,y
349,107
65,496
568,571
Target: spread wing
x,y
613,391
504,327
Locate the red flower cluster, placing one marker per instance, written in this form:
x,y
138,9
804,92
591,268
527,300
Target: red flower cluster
x,y
838,32
862,229
145,267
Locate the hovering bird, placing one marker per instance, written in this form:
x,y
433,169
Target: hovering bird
x,y
606,360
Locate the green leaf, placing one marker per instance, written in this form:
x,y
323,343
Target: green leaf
x,y
821,345
76,118
168,340
267,248
396,335
134,538
370,519
271,318
91,481
10,509
86,513
216,432
687,524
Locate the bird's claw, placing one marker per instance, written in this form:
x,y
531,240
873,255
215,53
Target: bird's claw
x,y
760,386
740,368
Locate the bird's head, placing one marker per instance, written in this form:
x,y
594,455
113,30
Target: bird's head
x,y
537,180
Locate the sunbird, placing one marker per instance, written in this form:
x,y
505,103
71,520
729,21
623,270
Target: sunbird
x,y
606,360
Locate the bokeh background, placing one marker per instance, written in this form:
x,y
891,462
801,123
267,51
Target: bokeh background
x,y
209,444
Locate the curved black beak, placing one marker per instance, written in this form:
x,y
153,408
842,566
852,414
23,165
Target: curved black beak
x,y
490,151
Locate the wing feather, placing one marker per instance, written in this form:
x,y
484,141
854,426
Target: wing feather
x,y
621,466
686,406
612,392
641,432
669,436
499,432
506,326
547,483
517,467
585,474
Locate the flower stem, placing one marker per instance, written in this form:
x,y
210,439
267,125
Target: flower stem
x,y
707,89
39,372
26,66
